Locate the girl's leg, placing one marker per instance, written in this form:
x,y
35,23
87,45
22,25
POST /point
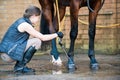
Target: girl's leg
x,y
34,42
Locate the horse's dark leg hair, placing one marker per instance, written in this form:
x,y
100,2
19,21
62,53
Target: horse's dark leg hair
x,y
74,9
92,31
61,14
47,8
54,50
44,29
73,35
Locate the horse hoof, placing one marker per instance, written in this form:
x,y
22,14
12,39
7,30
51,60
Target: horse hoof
x,y
94,66
71,68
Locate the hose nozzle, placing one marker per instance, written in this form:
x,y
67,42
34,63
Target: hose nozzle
x,y
60,41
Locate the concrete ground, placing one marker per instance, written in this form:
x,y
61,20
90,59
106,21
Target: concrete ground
x,y
109,69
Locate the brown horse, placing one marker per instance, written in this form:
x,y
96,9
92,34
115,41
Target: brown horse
x,y
52,22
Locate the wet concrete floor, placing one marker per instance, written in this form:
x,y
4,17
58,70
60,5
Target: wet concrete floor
x,y
109,69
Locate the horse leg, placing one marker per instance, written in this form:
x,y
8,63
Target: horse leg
x,y
61,15
56,58
54,51
44,29
55,24
92,31
74,9
47,8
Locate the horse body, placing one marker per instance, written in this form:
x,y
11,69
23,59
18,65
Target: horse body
x,y
75,5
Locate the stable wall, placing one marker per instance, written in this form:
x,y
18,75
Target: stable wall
x,y
107,39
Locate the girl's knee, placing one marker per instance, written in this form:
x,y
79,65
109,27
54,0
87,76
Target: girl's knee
x,y
38,43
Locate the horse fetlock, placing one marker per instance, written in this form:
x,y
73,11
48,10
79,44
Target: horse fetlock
x,y
70,60
55,54
91,52
73,34
91,56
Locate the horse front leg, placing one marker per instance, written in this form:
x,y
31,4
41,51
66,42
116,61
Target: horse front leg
x,y
54,51
74,9
92,32
73,35
56,26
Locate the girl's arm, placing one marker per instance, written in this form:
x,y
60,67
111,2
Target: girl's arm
x,y
25,27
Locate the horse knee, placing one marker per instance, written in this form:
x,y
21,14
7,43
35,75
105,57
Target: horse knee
x,y
73,34
74,30
92,30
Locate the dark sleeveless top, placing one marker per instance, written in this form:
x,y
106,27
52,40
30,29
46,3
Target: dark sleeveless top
x,y
14,42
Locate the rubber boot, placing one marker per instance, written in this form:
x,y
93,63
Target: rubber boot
x,y
21,65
